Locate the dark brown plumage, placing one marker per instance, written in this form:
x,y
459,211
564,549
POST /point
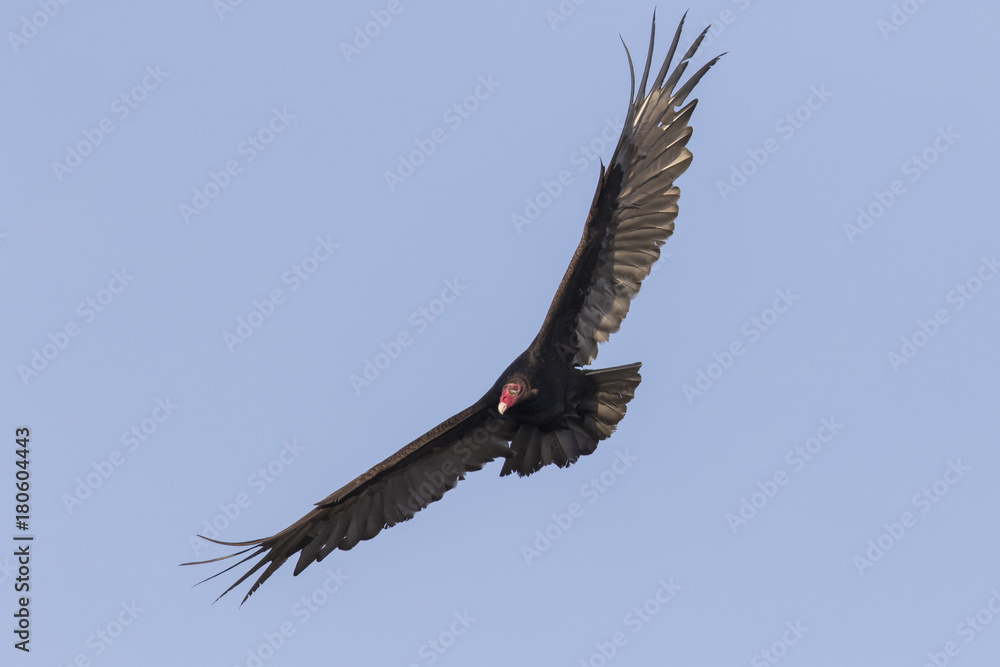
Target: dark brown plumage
x,y
544,408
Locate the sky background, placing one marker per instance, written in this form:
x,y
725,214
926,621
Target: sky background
x,y
844,173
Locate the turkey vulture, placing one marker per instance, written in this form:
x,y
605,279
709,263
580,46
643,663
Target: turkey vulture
x,y
544,408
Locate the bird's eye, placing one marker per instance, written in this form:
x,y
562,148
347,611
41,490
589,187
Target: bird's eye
x,y
514,390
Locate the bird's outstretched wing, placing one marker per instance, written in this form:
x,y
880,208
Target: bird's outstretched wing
x,y
632,214
392,491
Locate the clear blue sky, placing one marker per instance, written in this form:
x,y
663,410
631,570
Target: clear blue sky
x,y
202,246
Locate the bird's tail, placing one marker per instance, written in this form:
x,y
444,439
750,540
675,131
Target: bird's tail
x,y
608,391
613,388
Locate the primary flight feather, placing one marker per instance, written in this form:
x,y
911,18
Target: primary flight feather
x,y
544,408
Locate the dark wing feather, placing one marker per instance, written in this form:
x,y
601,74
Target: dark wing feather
x,y
392,491
631,216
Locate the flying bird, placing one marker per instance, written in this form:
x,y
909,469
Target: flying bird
x,y
545,407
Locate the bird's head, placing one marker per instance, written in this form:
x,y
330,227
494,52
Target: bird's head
x,y
515,390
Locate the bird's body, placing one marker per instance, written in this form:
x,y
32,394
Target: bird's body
x,y
558,386
545,407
